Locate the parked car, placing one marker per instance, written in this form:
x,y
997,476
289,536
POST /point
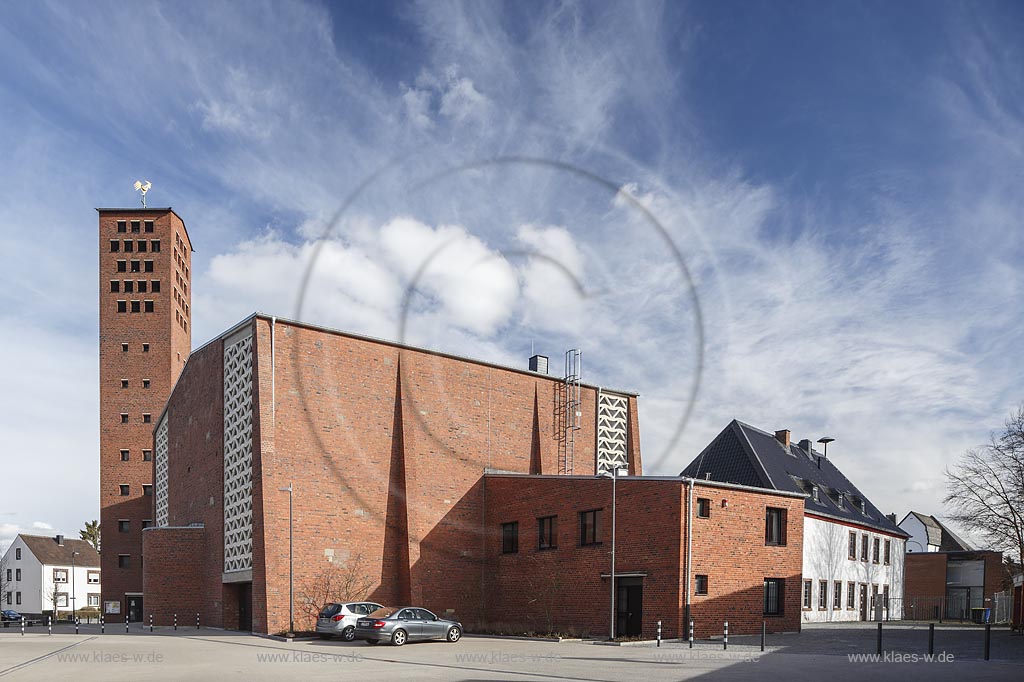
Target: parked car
x,y
339,620
10,615
405,624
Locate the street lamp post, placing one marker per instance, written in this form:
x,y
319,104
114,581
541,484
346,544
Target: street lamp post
x,y
291,565
74,607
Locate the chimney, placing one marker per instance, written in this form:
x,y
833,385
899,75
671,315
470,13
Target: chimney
x,y
805,445
539,364
891,517
783,436
60,540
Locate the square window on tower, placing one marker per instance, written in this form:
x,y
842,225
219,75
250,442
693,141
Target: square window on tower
x,y
122,225
136,226
149,226
115,286
155,286
122,266
115,245
142,286
136,265
136,306
129,246
149,266
142,246
154,246
129,286
149,306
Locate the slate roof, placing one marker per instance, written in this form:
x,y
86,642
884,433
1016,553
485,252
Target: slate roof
x,y
746,455
47,551
940,535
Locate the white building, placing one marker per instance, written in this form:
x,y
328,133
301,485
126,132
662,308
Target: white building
x,y
37,570
928,534
852,552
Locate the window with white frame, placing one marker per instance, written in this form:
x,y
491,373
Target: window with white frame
x,y
60,575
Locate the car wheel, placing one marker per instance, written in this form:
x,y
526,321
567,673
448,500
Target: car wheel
x,y
349,633
324,635
454,634
399,637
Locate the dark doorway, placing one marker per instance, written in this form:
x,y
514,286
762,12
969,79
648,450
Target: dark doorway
x,y
134,608
629,602
863,602
245,607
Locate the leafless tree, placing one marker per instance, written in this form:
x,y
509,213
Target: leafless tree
x,y
337,581
986,488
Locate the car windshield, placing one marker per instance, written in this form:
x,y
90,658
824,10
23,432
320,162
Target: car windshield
x,y
330,610
383,612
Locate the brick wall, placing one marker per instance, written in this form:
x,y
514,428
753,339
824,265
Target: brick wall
x,y
177,587
925,575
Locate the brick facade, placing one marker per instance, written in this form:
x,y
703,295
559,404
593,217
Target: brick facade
x,y
149,374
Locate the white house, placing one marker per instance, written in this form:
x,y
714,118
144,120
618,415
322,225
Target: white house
x,y
928,534
852,552
40,569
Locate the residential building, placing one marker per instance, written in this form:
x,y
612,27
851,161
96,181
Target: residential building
x,y
42,569
928,534
144,341
852,553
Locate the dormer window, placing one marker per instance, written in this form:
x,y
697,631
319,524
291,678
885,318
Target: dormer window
x,y
863,507
841,500
814,493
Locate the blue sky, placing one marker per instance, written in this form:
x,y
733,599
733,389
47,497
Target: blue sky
x,y
840,181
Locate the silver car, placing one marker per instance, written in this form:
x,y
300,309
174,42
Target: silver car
x,y
339,620
406,624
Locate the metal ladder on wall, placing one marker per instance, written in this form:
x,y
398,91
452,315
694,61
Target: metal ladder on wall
x,y
569,413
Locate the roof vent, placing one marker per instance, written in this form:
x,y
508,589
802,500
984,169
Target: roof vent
x,y
805,445
60,540
782,435
539,364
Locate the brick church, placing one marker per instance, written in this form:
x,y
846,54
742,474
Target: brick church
x,y
467,487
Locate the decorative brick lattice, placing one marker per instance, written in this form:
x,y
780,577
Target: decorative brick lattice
x,y
238,455
160,463
612,415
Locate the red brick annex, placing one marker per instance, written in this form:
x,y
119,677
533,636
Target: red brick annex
x,y
467,487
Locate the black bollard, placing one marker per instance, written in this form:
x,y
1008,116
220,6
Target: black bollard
x,y
49,625
175,622
988,639
659,633
197,620
878,648
126,623
762,634
76,626
725,636
931,638
691,633
151,622
103,626
23,626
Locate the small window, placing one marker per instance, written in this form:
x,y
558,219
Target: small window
x,y
124,347
147,455
775,526
864,548
18,598
841,500
122,266
145,383
147,418
129,246
149,266
814,493
115,245
875,550
124,525
94,600
149,304
147,523
808,590
142,286
147,490
136,306
115,286
547,532
888,551
822,594
17,553
852,551
123,560
145,348
701,586
590,527
837,595
93,578
17,574
154,246
60,575
122,306
851,594
773,594
125,490
122,226
703,508
129,286
142,246
124,383
155,286
124,417
149,226
125,455
136,265
135,226
510,537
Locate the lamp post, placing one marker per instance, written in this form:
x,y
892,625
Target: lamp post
x,y
614,474
291,566
74,608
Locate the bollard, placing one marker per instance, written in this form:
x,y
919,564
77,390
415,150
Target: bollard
x,y
931,638
103,624
725,636
988,639
151,622
197,620
763,628
23,626
878,645
691,633
126,623
49,625
659,633
175,622
76,625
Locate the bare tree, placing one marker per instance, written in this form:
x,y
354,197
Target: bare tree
x,y
337,581
986,488
53,596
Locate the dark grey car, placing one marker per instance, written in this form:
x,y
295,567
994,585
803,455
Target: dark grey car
x,y
406,624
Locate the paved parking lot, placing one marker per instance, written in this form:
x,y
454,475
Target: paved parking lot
x,y
818,653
